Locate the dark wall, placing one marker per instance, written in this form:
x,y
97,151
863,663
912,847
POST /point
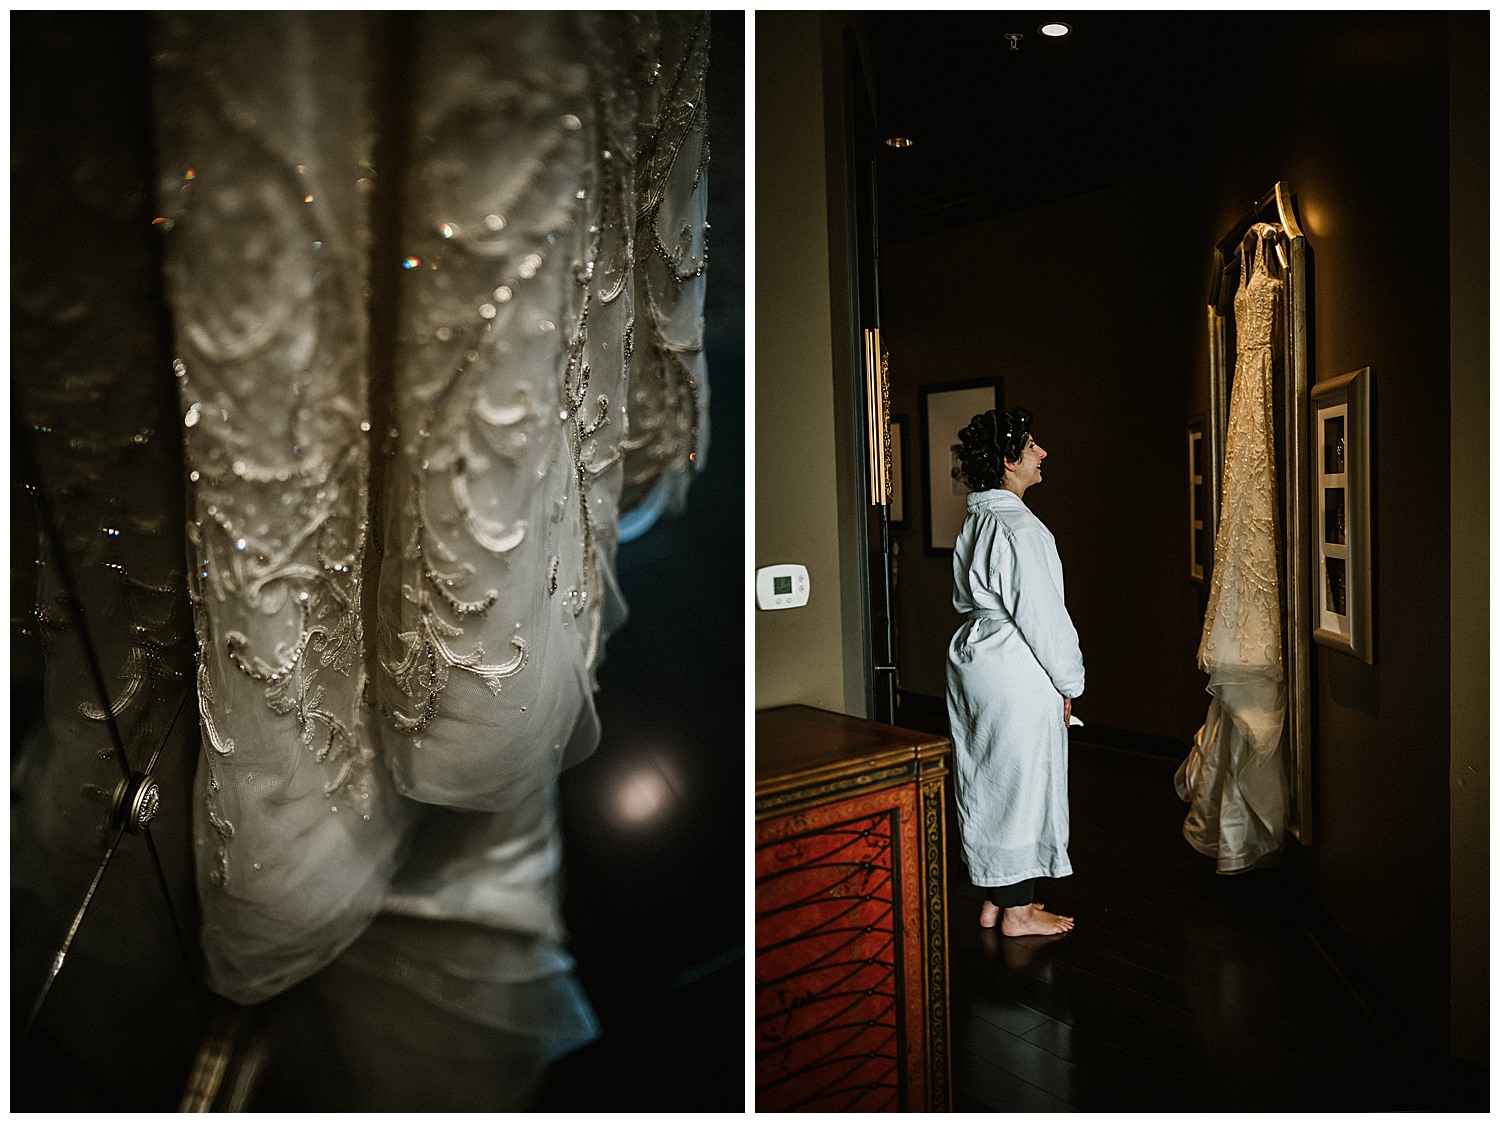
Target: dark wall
x,y
1092,312
1365,144
1086,310
1469,502
663,967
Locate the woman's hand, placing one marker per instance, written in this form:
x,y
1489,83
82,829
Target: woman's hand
x,y
1067,711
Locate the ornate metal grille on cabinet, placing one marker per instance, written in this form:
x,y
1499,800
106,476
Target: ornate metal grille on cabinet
x,y
851,961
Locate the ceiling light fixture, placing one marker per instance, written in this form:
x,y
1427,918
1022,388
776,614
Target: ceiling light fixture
x,y
899,141
1054,30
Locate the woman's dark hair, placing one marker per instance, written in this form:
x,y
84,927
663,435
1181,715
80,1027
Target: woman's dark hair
x,y
986,442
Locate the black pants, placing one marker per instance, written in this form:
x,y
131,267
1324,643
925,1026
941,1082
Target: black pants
x,y
1011,896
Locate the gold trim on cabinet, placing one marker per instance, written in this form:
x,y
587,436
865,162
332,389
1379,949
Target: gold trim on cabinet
x,y
934,864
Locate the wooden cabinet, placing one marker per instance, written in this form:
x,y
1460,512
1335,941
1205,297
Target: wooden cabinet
x,y
851,929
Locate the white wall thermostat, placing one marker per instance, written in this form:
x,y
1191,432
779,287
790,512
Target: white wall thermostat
x,y
781,586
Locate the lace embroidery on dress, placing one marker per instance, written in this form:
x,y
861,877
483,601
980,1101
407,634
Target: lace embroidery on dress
x,y
502,401
1233,775
549,332
265,200
406,439
270,374
1242,627
520,298
668,394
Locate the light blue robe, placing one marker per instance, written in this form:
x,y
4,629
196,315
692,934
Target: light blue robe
x,y
1010,665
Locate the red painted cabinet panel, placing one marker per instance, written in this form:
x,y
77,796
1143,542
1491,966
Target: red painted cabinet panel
x,y
851,930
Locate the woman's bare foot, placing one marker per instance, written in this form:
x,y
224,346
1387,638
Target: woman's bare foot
x,y
989,914
1033,920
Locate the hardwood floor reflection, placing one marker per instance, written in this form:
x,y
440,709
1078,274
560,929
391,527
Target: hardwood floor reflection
x,y
1180,990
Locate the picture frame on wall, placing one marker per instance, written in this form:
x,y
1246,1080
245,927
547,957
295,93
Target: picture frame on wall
x,y
1343,608
899,426
946,408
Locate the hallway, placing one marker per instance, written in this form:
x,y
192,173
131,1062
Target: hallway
x,y
1180,990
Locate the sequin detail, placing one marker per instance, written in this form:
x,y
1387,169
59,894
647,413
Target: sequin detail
x,y
1242,627
524,337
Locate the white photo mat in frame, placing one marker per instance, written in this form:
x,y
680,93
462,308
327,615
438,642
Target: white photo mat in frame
x,y
898,469
1341,515
947,408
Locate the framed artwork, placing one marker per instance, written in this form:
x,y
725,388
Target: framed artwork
x,y
1200,526
898,470
946,408
1341,511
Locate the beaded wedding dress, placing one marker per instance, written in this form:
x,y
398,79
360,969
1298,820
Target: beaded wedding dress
x,y
1234,775
435,291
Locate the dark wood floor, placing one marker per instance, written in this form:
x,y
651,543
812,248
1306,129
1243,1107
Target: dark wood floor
x,y
1179,990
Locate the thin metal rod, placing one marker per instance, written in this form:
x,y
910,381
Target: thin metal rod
x,y
875,237
885,511
890,621
182,943
62,952
171,725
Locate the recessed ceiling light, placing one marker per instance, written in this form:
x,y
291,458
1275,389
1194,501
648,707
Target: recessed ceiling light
x,y
899,141
1054,30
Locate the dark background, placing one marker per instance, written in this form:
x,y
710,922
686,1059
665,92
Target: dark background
x,y
657,912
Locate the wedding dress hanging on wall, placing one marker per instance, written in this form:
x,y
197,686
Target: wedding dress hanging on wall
x,y
435,290
1234,775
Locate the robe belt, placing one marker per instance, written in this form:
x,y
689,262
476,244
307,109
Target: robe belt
x,y
987,614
